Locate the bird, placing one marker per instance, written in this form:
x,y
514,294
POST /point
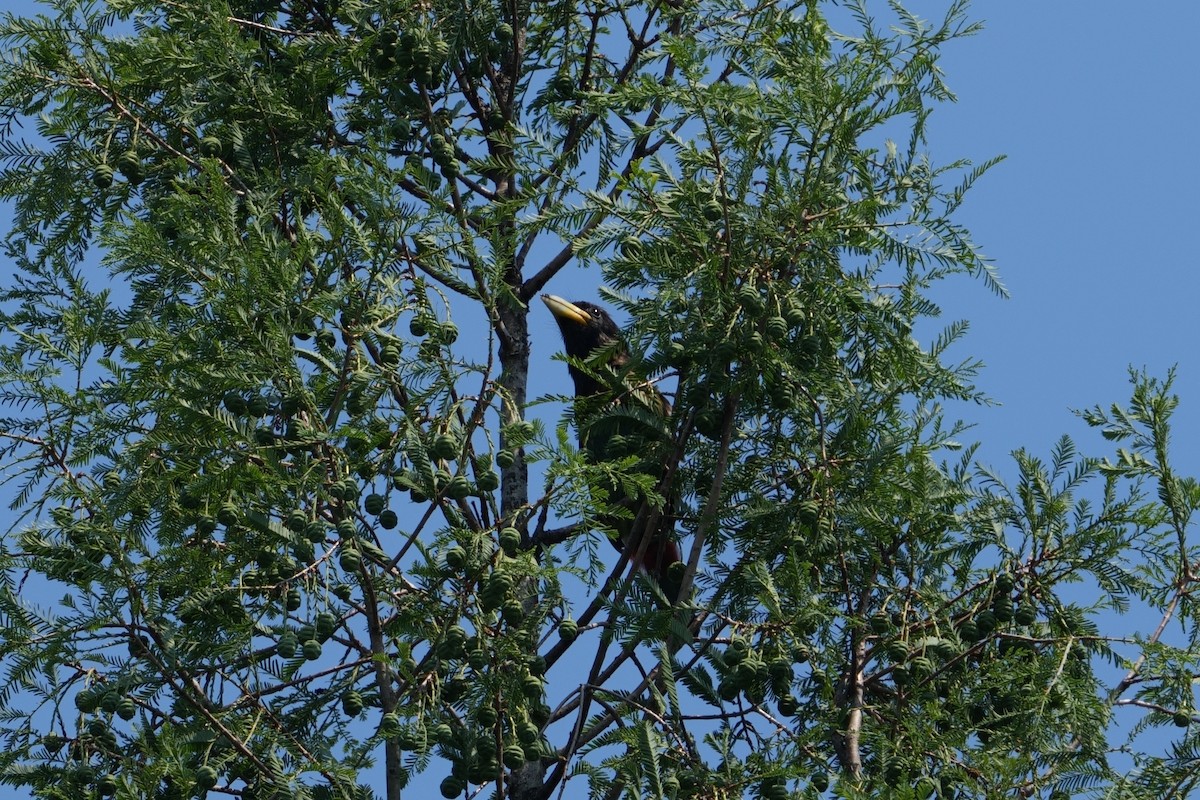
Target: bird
x,y
618,414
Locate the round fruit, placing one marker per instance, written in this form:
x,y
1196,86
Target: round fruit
x,y
229,514
488,480
499,583
257,406
286,646
736,652
375,504
126,709
456,558
1026,614
315,532
452,787
458,488
532,686
130,165
568,630
312,650
107,785
750,299
389,724
407,739
819,781
206,777
102,176
234,402
1181,719
512,612
514,756
349,560
774,790
504,459
450,649
528,733
388,519
510,541
326,622
454,689
210,146
777,327
477,659
444,446
486,716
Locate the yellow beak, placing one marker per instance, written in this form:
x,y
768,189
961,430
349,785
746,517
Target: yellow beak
x,y
562,309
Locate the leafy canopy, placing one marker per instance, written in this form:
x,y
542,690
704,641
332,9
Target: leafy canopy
x,y
288,522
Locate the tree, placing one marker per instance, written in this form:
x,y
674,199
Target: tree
x,y
288,510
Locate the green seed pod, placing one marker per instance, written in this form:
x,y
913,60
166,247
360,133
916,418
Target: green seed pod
x,y
487,480
102,176
325,624
514,756
374,504
456,558
349,560
445,446
206,777
296,521
512,612
210,147
452,786
485,715
229,514
510,541
235,403
458,488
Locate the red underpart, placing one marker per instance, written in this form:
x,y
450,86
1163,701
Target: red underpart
x,y
659,556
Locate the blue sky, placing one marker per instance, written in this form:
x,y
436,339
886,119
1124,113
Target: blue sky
x,y
1089,219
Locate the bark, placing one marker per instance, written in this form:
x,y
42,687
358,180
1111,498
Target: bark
x,y
513,333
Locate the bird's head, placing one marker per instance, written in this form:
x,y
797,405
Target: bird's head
x,y
585,328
